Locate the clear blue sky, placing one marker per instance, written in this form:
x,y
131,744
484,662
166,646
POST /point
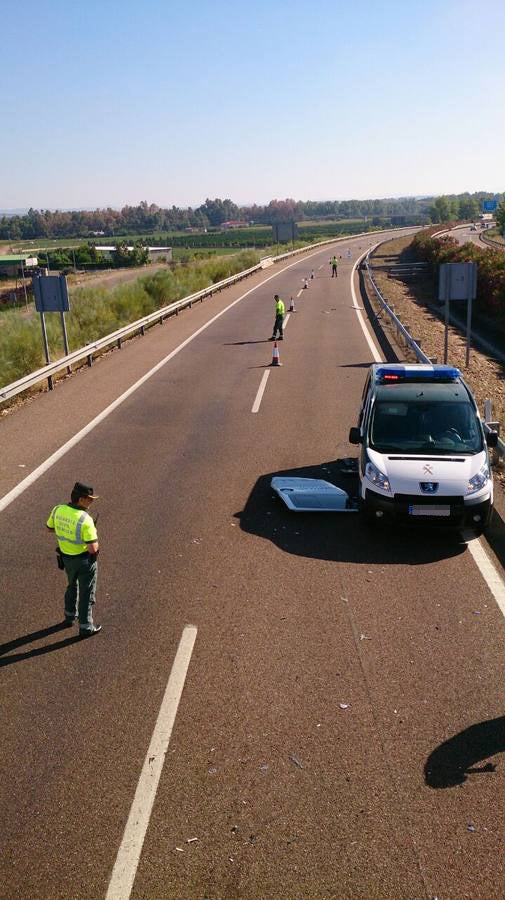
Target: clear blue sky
x,y
117,101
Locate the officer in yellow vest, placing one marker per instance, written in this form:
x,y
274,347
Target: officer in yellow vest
x,y
333,264
280,309
78,550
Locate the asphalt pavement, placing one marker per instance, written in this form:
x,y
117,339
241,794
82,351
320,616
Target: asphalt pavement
x,y
340,729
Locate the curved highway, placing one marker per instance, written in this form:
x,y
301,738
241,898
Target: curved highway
x,y
340,729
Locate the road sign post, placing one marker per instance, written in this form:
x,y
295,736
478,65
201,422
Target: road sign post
x,y
458,281
51,295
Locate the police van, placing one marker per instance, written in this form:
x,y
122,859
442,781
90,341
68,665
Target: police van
x,y
424,452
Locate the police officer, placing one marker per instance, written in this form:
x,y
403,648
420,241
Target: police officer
x,y
280,309
333,264
78,549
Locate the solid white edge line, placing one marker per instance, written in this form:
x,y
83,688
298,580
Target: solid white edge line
x,y
375,353
286,320
489,572
261,390
12,495
128,856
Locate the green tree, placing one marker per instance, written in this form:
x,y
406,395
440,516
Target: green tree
x,y
500,216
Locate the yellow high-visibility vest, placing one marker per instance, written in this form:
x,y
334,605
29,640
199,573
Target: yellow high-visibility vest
x,y
280,309
73,527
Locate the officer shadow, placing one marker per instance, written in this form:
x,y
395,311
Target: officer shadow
x,y
340,536
7,658
452,762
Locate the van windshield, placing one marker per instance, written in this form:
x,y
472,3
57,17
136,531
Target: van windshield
x,y
420,426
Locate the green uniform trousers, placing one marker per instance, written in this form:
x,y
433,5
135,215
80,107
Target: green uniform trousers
x,y
82,574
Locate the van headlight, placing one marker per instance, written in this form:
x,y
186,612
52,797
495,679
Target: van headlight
x,y
377,477
479,480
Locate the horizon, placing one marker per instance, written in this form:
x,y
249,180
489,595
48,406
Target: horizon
x,y
22,210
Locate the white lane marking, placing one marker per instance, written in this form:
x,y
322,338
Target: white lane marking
x,y
127,859
375,353
12,495
261,391
489,572
286,320
320,267
300,292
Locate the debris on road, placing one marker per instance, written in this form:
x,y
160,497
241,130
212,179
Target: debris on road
x,y
264,768
344,705
191,840
294,759
180,849
471,827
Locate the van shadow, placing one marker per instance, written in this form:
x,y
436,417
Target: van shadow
x,y
340,537
452,762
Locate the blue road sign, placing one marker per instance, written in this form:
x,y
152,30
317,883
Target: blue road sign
x,y
51,294
489,205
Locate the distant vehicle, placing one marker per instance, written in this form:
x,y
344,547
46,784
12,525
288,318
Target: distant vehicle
x,y
424,455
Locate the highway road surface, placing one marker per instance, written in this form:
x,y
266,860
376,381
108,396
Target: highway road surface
x,y
329,698
467,236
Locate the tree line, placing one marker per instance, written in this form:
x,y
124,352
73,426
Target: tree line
x,y
149,218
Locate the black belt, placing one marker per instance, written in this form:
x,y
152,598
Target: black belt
x,y
75,555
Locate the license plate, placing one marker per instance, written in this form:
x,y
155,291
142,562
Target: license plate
x,y
429,510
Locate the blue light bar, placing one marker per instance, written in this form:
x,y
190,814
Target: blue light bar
x,y
402,373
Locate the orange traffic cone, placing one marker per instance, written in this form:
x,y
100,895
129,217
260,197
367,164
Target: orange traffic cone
x,y
275,355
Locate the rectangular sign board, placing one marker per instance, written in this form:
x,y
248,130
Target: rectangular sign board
x,y
489,205
457,281
51,293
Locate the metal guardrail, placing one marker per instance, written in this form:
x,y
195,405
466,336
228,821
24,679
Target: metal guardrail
x,y
491,241
420,356
65,362
488,423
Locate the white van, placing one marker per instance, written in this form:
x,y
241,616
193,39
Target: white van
x,y
424,453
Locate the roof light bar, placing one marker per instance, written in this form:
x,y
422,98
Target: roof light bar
x,y
413,372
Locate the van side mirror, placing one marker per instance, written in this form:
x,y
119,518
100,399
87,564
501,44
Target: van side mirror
x,y
355,436
492,438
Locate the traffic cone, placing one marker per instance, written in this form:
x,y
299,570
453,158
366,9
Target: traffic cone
x,y
275,355
305,283
292,305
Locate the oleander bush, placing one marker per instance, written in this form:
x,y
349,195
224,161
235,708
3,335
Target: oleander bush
x,y
490,273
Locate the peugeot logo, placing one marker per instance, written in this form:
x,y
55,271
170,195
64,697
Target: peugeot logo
x,y
427,470
429,487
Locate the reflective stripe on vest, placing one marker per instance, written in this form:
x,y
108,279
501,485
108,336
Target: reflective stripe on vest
x,y
68,525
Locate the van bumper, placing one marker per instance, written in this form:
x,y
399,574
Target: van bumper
x,y
464,512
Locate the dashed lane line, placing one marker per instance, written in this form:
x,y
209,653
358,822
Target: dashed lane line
x,y
261,390
264,378
128,857
20,488
300,292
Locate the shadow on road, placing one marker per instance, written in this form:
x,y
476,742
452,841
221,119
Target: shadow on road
x,y
8,660
340,537
454,760
243,343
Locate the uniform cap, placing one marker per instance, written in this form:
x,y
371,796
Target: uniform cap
x,y
84,490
